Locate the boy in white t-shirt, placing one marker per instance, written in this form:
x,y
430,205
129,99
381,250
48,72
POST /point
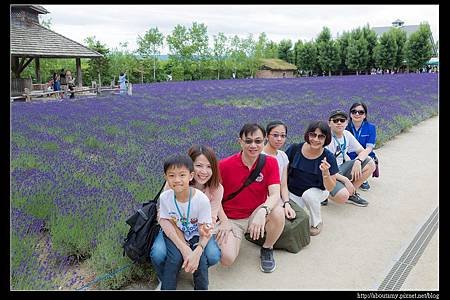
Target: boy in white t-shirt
x,y
352,173
189,210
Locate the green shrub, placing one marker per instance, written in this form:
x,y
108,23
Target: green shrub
x,y
26,161
109,263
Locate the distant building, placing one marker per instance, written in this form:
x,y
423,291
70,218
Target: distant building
x,y
275,68
409,29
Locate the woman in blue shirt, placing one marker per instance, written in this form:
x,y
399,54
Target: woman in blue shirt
x,y
363,131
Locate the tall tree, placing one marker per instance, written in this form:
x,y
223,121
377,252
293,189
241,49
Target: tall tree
x,y
357,54
248,45
328,56
371,38
385,51
220,51
418,48
149,46
198,36
99,65
237,54
122,60
285,51
308,60
297,47
271,50
180,47
400,39
342,45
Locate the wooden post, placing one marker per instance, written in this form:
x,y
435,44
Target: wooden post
x,y
27,95
79,75
37,69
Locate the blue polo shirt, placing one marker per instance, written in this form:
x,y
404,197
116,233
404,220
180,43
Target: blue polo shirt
x,y
366,136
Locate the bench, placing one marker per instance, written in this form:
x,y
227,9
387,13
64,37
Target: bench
x,y
37,94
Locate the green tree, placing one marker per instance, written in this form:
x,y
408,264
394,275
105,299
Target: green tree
x,y
271,50
308,58
297,48
418,48
99,65
220,51
327,51
180,48
285,51
385,51
198,40
342,45
357,51
400,39
122,60
371,38
248,46
237,55
149,46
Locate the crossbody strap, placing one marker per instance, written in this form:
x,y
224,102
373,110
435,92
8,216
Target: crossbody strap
x,y
295,148
160,190
252,177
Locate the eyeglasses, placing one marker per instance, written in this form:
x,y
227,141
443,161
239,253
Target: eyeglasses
x,y
276,135
313,135
359,112
335,121
250,141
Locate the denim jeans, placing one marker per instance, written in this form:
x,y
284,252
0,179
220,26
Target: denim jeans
x,y
173,263
158,253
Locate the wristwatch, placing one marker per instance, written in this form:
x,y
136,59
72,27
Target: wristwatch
x,y
359,159
284,203
267,209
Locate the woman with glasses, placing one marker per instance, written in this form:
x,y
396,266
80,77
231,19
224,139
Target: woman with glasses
x,y
276,138
364,132
312,172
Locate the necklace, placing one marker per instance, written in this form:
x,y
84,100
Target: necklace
x,y
183,219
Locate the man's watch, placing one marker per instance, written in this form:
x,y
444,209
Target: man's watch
x,y
267,209
359,159
284,203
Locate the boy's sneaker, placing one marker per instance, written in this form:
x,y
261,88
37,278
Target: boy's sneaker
x,y
324,202
267,262
365,186
357,200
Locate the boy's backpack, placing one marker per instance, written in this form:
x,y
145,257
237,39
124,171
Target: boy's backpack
x,y
144,229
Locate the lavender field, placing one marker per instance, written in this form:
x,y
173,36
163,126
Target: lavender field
x,y
80,167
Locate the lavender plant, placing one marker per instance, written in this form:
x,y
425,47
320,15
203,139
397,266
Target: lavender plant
x,y
80,167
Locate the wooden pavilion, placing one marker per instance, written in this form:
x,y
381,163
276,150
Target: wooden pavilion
x,y
30,41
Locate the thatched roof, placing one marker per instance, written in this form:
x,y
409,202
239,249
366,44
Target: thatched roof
x,y
34,40
30,39
276,64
